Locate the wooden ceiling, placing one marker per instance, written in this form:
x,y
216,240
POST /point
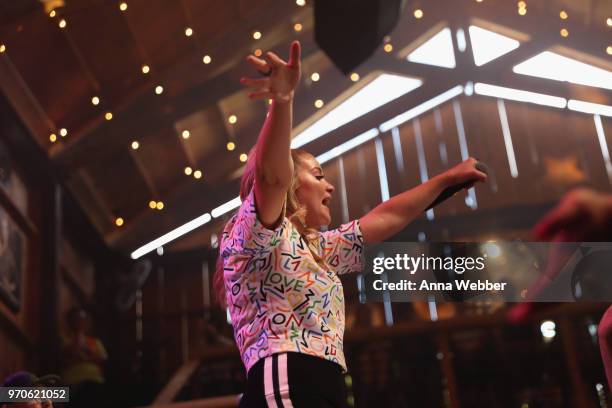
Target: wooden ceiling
x,y
50,75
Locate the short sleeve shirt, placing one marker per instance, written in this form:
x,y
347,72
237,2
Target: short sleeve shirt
x,y
279,298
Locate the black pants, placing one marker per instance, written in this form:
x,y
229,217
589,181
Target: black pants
x,y
294,380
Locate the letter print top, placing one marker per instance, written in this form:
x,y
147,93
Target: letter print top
x,y
279,298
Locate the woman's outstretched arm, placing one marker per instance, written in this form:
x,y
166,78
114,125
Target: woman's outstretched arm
x,y
393,215
274,166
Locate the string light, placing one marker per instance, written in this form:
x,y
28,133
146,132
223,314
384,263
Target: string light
x,y
243,157
53,137
95,101
188,171
354,77
418,13
478,1
152,204
522,11
159,89
145,69
135,145
197,174
63,132
230,146
185,134
522,4
318,103
563,15
108,116
119,221
609,50
188,31
123,6
160,205
564,32
62,23
300,3
315,76
207,59
388,47
2,48
256,35
297,27
232,119
609,21
258,52
52,13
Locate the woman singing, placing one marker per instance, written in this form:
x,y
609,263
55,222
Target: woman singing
x,y
278,274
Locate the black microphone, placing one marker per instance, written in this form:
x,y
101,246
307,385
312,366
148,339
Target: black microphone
x,y
450,191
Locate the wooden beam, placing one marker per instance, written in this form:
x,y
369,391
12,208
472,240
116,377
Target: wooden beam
x,y
138,112
499,319
542,27
176,383
23,101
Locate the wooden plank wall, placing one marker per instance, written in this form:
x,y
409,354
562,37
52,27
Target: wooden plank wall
x,y
23,340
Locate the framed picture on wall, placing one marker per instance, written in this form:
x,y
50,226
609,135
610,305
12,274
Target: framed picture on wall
x,y
12,260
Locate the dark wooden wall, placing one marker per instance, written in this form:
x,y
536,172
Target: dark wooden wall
x,y
59,262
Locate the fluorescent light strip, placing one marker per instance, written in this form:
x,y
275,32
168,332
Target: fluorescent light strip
x,y
343,199
420,109
226,207
554,66
503,117
519,95
465,154
418,139
387,302
603,145
463,148
348,145
172,235
588,107
461,44
397,149
422,160
382,170
433,310
377,93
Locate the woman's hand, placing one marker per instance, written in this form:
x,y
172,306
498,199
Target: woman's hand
x,y
281,78
465,172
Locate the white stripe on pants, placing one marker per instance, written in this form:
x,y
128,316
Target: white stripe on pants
x,y
283,382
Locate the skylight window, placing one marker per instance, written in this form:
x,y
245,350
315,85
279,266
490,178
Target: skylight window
x,y
380,91
488,45
551,65
438,51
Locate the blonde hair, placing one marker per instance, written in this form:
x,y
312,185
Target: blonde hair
x,y
295,212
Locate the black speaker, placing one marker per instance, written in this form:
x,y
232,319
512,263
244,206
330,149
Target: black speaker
x,y
349,31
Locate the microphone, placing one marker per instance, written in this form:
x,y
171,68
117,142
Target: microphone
x,y
450,191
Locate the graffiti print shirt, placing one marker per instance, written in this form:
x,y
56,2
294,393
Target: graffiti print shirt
x,y
279,298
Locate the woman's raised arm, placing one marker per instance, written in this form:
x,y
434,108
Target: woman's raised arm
x,y
274,166
393,215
